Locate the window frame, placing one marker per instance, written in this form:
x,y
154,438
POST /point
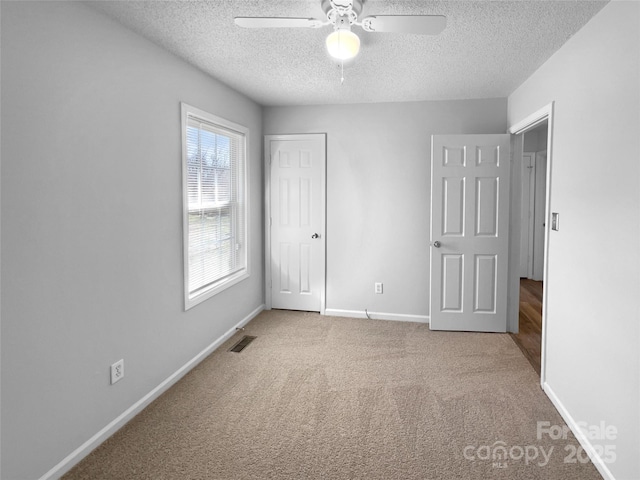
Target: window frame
x,y
208,291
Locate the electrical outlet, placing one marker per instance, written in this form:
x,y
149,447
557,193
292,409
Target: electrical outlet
x,y
378,287
117,371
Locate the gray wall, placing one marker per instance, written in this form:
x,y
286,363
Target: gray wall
x,y
378,192
92,226
536,139
593,364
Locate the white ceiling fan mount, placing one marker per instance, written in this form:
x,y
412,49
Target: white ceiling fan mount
x,y
342,14
340,11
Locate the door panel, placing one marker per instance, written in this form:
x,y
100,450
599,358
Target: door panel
x,y
484,293
452,288
296,225
486,207
453,215
469,222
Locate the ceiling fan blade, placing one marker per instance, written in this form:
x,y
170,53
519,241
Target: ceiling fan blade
x,y
277,22
420,24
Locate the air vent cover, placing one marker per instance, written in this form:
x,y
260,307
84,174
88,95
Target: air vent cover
x,y
244,341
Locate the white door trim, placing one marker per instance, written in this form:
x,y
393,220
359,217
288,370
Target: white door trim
x,y
267,213
530,212
530,122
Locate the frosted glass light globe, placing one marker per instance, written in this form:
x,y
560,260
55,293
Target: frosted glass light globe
x,y
343,44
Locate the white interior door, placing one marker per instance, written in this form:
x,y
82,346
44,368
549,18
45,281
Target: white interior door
x,y
469,232
296,166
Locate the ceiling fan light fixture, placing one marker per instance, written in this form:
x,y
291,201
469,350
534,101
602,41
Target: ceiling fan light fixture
x,y
343,44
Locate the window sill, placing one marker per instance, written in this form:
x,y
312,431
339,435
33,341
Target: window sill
x,y
214,289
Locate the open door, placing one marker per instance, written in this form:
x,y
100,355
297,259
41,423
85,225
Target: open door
x,y
469,232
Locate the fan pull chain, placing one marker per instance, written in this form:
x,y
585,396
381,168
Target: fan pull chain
x,y
341,72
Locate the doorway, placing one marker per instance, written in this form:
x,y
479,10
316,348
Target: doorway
x,y
533,140
533,175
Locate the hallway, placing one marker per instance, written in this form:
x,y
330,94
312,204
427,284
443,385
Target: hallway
x,y
529,338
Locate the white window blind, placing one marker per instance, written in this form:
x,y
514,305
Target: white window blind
x,y
214,167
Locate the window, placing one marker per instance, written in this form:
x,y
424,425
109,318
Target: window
x,y
215,204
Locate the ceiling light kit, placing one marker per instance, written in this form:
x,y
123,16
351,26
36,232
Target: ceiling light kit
x,y
342,43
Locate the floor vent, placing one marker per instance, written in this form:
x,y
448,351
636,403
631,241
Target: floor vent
x,y
238,347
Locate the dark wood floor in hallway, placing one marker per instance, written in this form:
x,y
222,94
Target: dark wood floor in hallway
x,y
529,338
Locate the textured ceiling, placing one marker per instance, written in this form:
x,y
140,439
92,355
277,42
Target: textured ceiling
x,y
486,51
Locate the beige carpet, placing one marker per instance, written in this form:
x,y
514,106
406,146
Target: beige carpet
x,y
332,398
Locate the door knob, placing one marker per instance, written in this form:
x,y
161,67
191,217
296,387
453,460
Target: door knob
x,y
436,244
315,235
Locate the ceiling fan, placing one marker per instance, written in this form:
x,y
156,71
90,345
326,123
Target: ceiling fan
x,y
342,43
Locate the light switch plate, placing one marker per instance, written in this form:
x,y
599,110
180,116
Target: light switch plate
x,y
555,221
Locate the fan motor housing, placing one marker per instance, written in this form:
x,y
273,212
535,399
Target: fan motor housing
x,y
356,5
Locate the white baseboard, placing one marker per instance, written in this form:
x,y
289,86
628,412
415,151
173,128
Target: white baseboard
x,y
399,317
78,454
586,444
